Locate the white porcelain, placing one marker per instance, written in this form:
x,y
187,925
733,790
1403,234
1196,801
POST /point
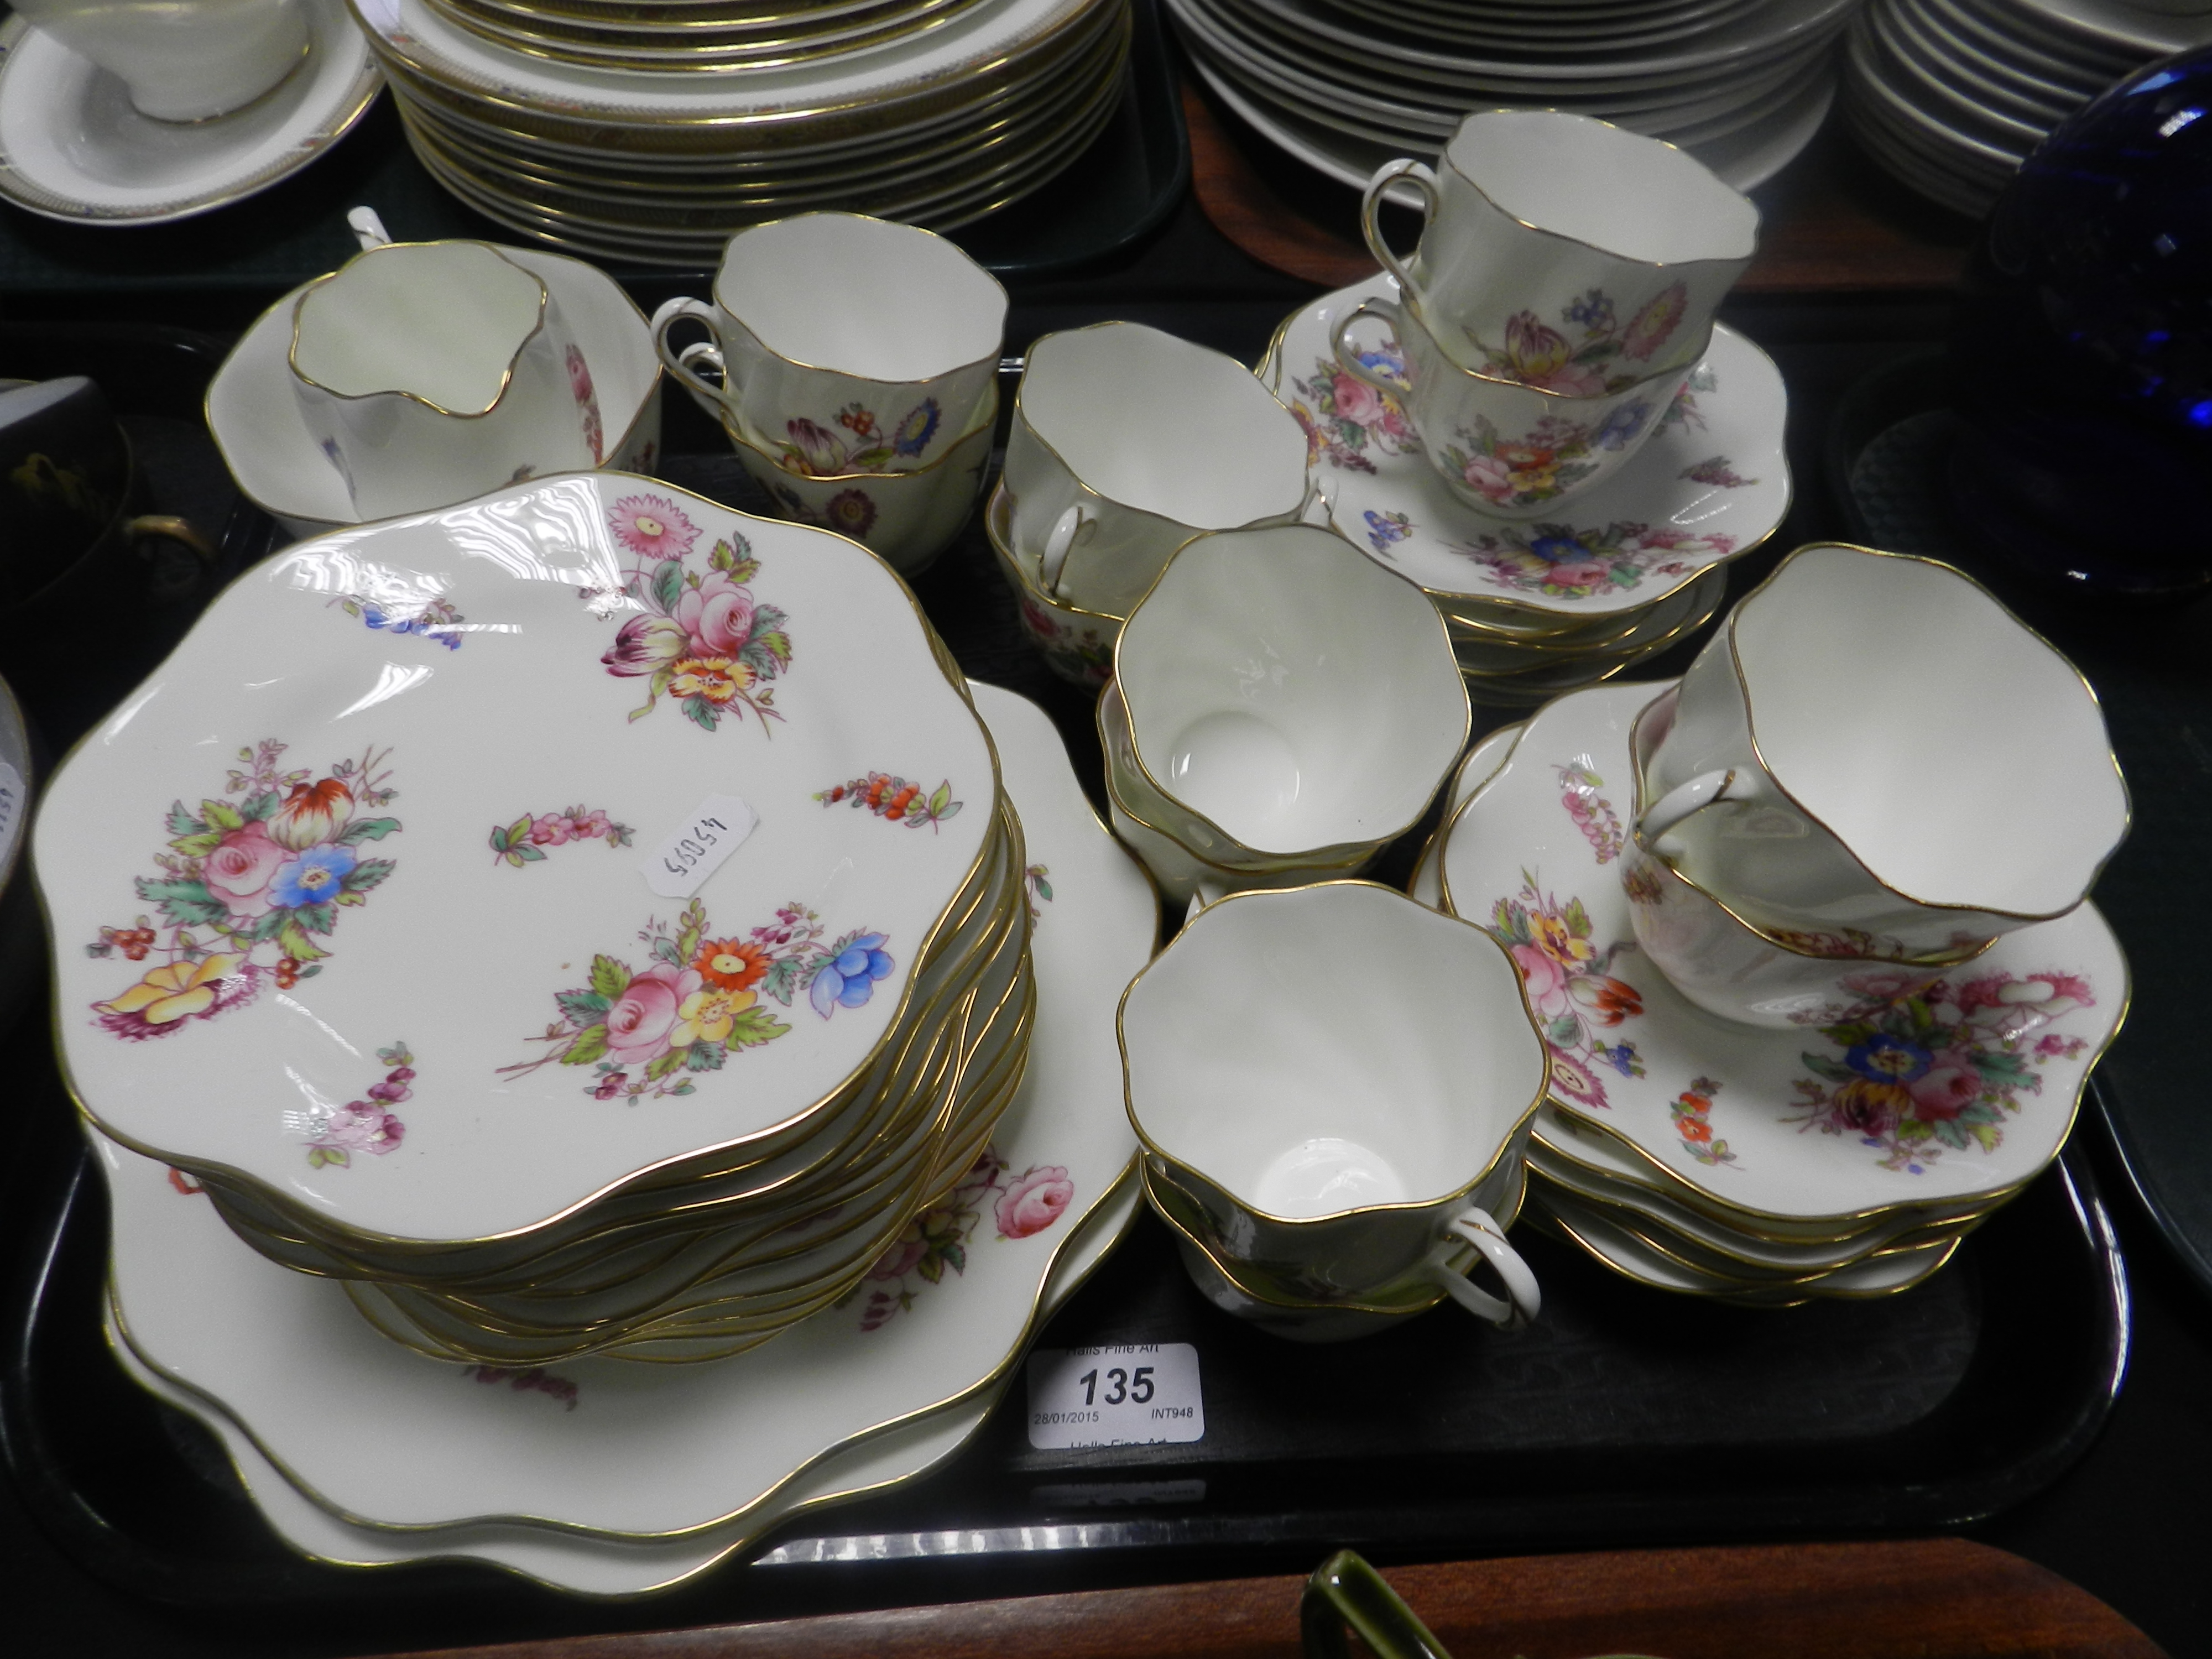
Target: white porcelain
x,y
1293,699
1565,253
73,146
598,1566
1126,443
1823,1123
279,466
429,372
1710,485
1338,1156
909,517
1076,644
1508,449
653,1451
388,659
848,344
183,60
1804,783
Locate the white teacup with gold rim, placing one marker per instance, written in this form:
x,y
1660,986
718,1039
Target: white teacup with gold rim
x,y
848,344
182,60
1565,253
1126,443
1341,1084
1873,746
430,372
1290,701
1506,447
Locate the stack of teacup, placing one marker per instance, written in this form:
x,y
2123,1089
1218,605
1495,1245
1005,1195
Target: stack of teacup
x,y
1282,709
1560,302
1806,932
1126,443
856,365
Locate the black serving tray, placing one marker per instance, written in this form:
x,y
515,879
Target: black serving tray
x,y
1114,196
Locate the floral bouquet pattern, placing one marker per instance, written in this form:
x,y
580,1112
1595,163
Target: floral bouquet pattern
x,y
859,442
251,882
936,1240
526,840
1346,419
1606,354
645,1031
1551,459
336,1132
1571,988
894,800
704,640
1562,562
436,622
1921,1075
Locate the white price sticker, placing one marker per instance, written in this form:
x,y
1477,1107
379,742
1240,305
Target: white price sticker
x,y
1127,1396
679,866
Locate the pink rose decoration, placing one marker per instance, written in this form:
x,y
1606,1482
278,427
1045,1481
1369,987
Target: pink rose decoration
x,y
1546,981
1035,1202
360,1126
1946,1088
638,1024
718,615
239,870
1489,477
1579,573
1356,401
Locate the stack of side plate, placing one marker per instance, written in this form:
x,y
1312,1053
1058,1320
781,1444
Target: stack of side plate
x,y
1764,1167
1345,85
606,1479
695,36
1950,95
1616,575
962,108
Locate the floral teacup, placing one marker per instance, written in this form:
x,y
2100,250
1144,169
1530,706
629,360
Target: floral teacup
x,y
1337,1084
1565,253
847,344
1873,746
1512,450
1076,644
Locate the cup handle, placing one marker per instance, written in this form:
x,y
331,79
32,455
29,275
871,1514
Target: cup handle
x,y
368,228
1525,1301
1679,802
1403,170
1345,1592
1350,363
679,363
1072,529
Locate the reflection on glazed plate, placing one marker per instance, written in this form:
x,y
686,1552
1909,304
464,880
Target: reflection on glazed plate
x,y
1709,486
389,1440
1964,1093
73,148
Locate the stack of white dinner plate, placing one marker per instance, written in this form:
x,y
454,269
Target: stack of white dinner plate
x,y
582,920
1693,1154
603,1478
1344,85
1950,95
1627,568
655,129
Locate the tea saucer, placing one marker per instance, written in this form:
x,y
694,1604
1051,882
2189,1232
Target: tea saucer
x,y
656,1451
1752,1124
72,147
1709,486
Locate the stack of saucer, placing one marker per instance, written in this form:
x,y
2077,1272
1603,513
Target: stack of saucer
x,y
638,149
1841,1153
1627,568
601,1478
505,1009
1950,95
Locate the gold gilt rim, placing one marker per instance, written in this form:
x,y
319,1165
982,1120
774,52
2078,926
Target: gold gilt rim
x,y
991,1381
703,59
1751,730
1333,851
612,480
1433,848
1509,1143
1595,642
671,16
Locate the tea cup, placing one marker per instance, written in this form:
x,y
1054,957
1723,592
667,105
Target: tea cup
x,y
1342,1158
846,343
183,60
1509,449
1126,443
1076,644
1873,747
909,517
430,372
1291,702
1565,253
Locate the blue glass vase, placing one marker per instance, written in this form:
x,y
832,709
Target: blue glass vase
x,y
2082,356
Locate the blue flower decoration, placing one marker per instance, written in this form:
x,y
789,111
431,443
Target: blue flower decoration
x,y
1388,364
1383,529
1887,1060
1619,428
1594,310
313,877
1621,1057
1558,547
915,431
850,978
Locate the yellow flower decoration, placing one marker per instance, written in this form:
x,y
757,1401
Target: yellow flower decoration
x,y
706,1016
176,991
